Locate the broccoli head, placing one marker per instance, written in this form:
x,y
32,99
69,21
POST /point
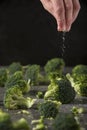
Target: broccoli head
x,y
49,109
5,121
79,70
3,76
39,124
15,66
54,65
17,79
14,99
66,121
61,90
33,73
21,124
79,82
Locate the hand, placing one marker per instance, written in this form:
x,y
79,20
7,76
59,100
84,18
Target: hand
x,y
64,11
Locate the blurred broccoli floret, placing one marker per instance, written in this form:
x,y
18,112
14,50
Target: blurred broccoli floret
x,y
54,65
33,73
49,109
40,95
60,90
5,121
14,99
17,79
79,69
78,79
3,76
39,124
21,124
15,66
66,121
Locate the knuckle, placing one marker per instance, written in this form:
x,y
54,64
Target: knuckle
x,y
77,8
68,7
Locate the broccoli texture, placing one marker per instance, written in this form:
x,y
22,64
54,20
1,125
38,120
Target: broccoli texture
x,y
49,109
17,79
54,65
15,66
39,124
21,124
5,121
3,76
66,121
79,69
33,73
40,95
78,79
60,90
14,99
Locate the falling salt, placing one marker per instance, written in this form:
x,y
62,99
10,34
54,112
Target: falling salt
x,y
63,43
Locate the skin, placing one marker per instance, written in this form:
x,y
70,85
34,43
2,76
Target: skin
x,y
64,11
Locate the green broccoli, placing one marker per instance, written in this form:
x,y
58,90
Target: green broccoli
x,y
14,99
66,121
33,73
49,109
5,121
79,69
21,124
39,124
60,90
17,79
15,66
3,76
54,65
78,79
40,94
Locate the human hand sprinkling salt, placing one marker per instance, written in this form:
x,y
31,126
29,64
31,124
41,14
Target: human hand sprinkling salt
x,y
64,11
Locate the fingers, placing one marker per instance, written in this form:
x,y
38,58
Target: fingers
x,y
64,11
76,9
68,13
59,14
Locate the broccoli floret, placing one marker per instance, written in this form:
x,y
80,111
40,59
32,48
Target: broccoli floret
x,y
33,73
81,89
54,65
66,121
3,76
49,109
39,124
79,81
21,124
14,99
17,79
5,121
61,90
15,66
40,95
79,69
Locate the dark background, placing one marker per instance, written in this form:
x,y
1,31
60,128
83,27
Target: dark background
x,y
28,35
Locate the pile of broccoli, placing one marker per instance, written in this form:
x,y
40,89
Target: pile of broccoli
x,y
78,79
61,89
